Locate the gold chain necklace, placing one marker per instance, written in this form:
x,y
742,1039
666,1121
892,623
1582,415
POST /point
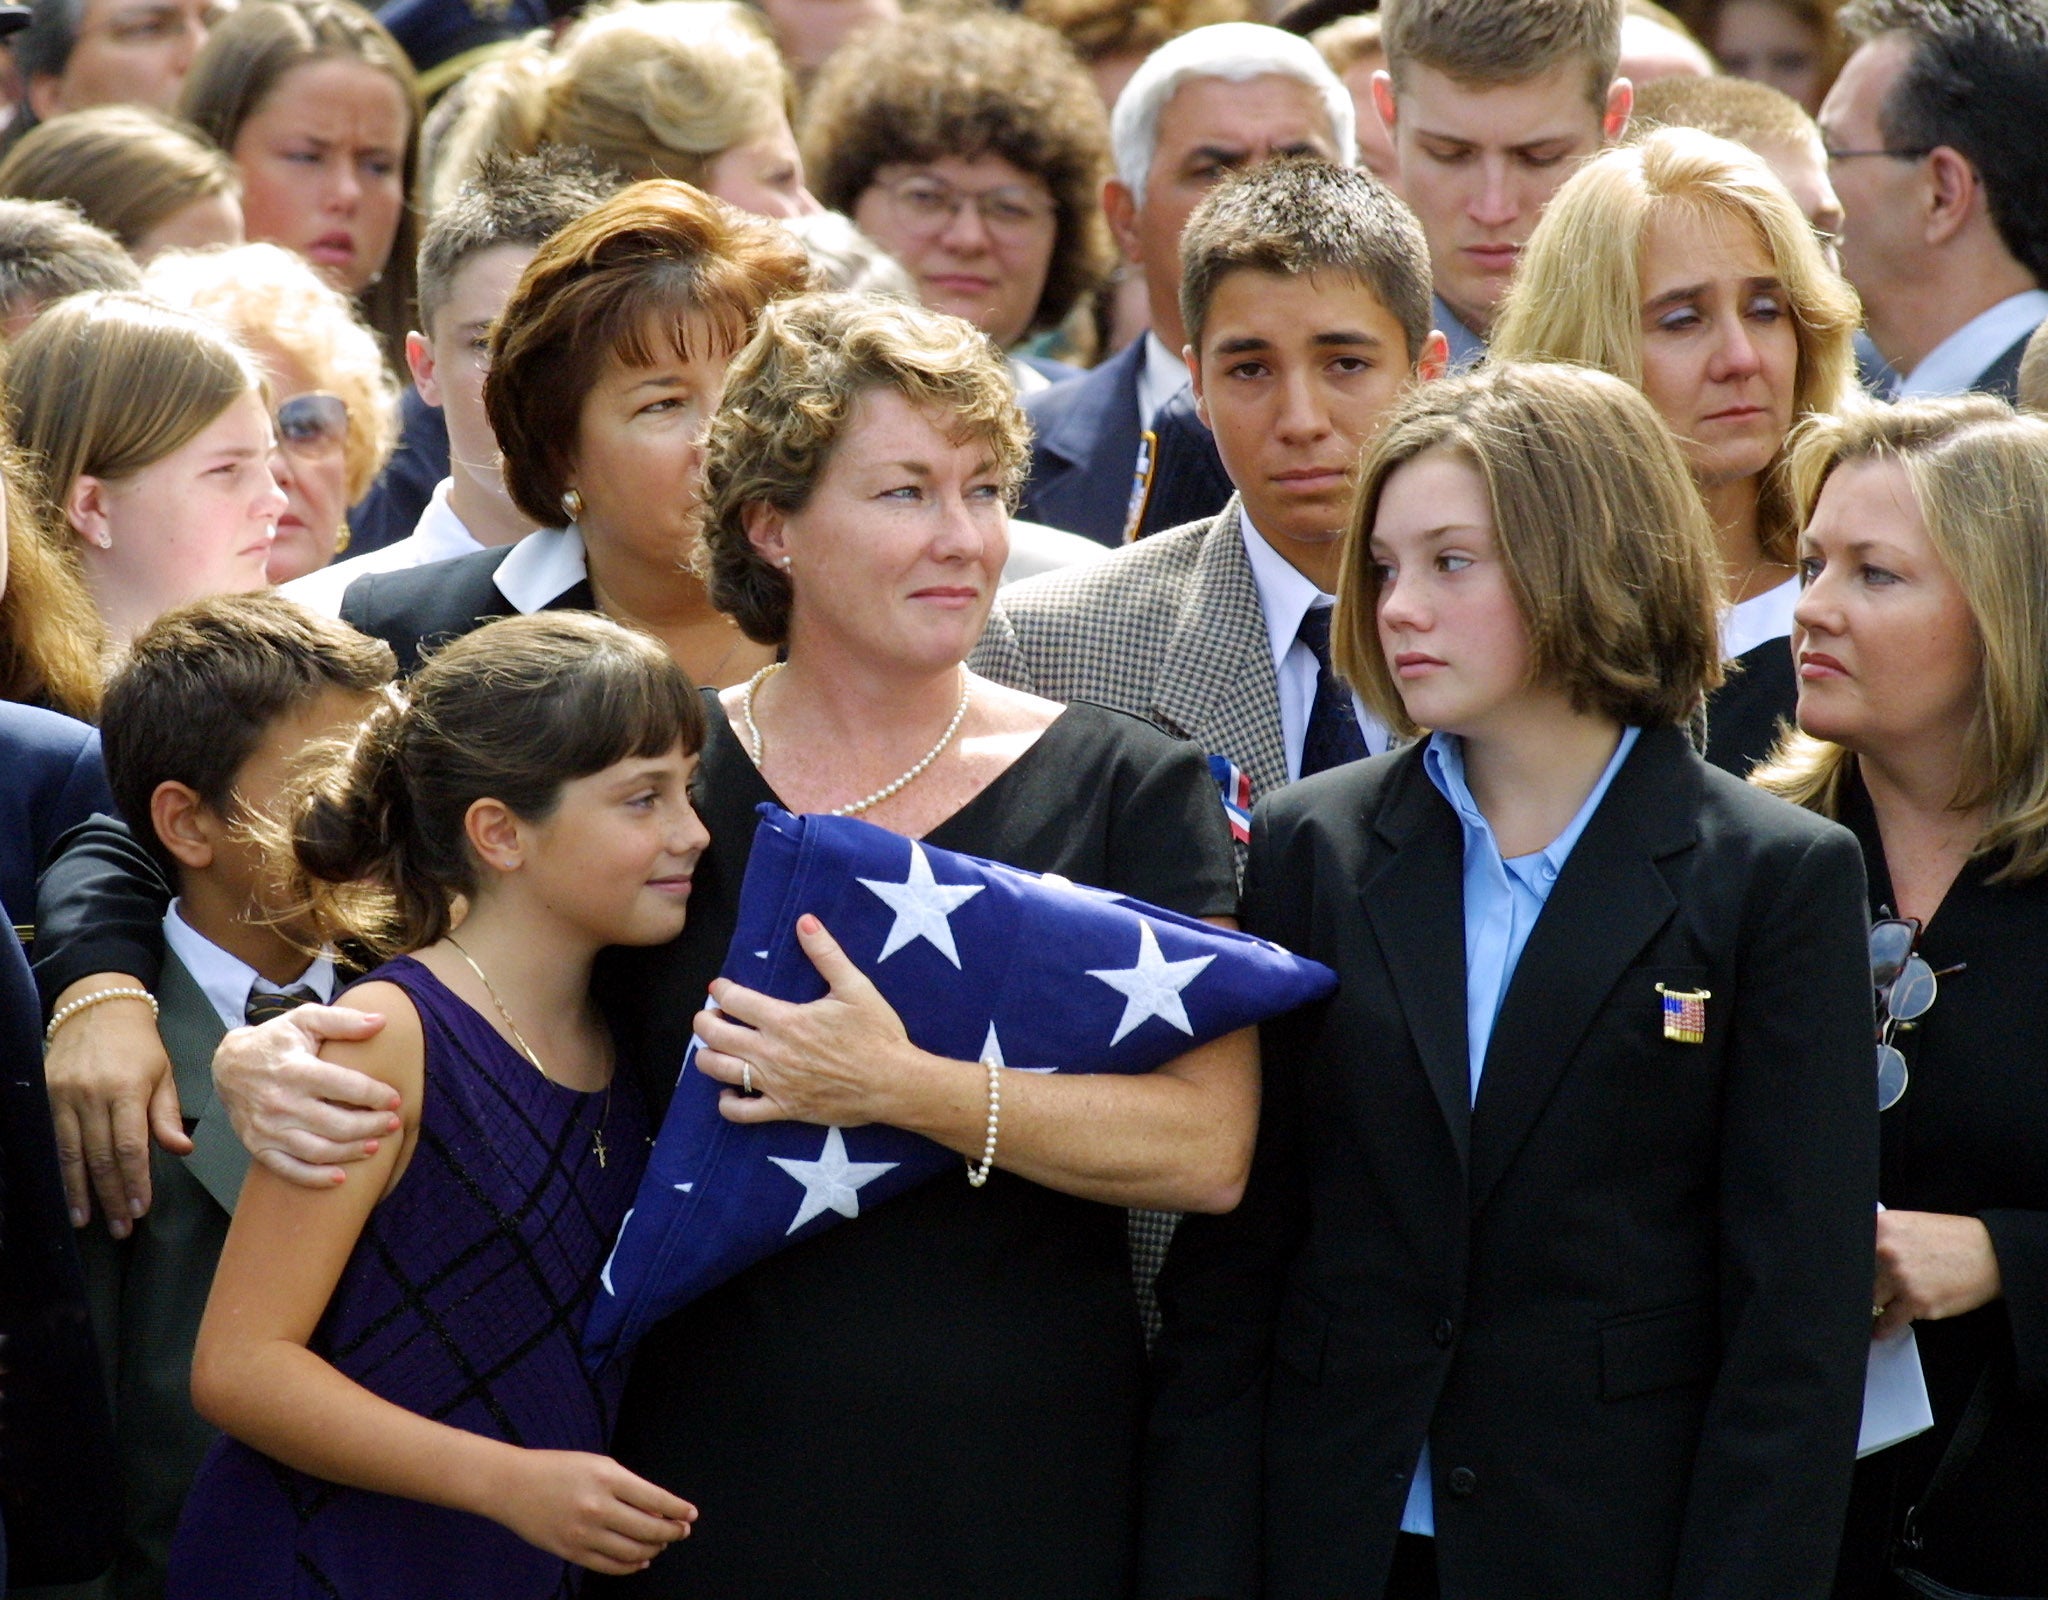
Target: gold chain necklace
x,y
597,1136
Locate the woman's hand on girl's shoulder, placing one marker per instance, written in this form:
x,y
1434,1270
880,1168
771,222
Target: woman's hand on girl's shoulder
x,y
590,1510
300,1116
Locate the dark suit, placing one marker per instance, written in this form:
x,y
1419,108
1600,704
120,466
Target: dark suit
x,y
54,780
58,1486
1970,1138
1624,1296
1084,457
417,608
149,1292
2002,377
1188,480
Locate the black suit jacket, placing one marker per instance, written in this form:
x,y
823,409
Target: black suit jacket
x,y
1084,448
1625,1296
417,608
2002,377
1188,480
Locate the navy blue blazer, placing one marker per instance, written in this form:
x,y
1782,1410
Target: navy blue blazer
x,y
54,780
1084,448
59,1484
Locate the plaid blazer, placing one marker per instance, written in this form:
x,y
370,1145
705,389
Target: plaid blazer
x,y
1169,629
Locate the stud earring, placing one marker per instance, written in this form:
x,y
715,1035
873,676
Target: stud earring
x,y
572,505
785,563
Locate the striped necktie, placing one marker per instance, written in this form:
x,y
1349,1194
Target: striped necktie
x,y
267,1003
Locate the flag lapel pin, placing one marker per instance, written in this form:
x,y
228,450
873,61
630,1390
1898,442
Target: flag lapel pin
x,y
1685,1014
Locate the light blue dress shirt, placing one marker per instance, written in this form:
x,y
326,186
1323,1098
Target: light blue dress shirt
x,y
1503,899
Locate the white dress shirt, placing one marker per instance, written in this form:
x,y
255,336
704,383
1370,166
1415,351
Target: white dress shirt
x,y
1285,596
226,980
1162,377
1758,620
1955,365
438,535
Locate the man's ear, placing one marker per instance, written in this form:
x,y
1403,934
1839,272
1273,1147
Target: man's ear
x,y
185,825
1435,359
85,508
1383,98
1954,194
46,95
1194,365
1621,100
1120,208
494,834
419,360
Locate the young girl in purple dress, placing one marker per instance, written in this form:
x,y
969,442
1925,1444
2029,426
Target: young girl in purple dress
x,y
395,1359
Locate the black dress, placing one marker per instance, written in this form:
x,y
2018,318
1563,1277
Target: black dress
x,y
1970,1138
943,1399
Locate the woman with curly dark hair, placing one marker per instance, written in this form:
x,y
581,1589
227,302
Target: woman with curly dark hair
x,y
973,149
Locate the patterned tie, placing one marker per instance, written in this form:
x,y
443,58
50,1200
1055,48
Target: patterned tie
x,y
267,1003
1333,735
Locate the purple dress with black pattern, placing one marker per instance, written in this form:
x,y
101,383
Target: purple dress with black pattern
x,y
463,1301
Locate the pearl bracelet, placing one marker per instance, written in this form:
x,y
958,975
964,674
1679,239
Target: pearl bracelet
x,y
84,1002
977,1176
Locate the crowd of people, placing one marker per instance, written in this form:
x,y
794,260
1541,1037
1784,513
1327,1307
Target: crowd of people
x,y
1540,506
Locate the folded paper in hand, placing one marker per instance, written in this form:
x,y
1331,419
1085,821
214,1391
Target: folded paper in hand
x,y
983,963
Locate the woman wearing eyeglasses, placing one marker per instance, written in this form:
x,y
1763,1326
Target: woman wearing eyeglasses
x,y
972,149
1922,646
334,406
148,448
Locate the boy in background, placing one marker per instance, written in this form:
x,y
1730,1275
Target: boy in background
x,y
201,727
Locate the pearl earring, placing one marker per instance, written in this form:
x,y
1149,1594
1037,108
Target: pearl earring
x,y
785,563
572,505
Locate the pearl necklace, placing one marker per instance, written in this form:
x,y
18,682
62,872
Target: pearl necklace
x,y
856,807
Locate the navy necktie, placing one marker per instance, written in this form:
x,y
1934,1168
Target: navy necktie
x,y
1333,736
267,1003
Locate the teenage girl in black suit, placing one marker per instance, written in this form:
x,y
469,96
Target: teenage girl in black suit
x,y
1922,642
1551,1275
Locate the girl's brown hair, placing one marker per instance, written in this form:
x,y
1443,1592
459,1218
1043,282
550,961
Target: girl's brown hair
x,y
128,168
1605,540
510,712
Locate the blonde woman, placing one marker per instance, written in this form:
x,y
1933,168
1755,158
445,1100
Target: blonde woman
x,y
1681,265
1922,640
689,89
148,446
333,401
149,180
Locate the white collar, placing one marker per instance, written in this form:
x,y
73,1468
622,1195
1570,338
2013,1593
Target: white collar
x,y
437,536
440,533
1162,377
1955,364
542,567
1759,619
226,980
1284,594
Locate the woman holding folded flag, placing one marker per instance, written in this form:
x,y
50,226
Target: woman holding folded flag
x,y
943,1397
1922,640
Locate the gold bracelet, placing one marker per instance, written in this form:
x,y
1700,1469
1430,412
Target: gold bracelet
x,y
86,1002
977,1176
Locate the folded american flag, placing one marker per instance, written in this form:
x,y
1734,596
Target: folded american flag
x,y
982,963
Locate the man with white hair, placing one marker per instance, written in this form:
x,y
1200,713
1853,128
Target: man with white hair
x,y
1203,105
